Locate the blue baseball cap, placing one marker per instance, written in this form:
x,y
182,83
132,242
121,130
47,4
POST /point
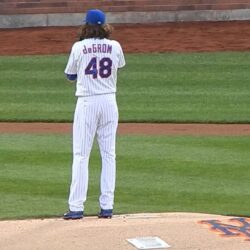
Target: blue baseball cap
x,y
95,17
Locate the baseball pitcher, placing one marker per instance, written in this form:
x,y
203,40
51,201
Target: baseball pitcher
x,y
93,63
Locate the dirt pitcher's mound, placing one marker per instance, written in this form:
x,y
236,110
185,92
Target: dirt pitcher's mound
x,y
180,230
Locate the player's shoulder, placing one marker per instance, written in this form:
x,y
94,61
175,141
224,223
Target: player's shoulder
x,y
115,43
76,45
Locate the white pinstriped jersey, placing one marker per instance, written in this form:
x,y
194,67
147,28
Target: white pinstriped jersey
x,y
95,61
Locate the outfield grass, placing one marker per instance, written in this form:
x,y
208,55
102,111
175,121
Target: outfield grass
x,y
195,87
154,174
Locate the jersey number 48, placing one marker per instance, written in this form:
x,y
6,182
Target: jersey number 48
x,y
103,68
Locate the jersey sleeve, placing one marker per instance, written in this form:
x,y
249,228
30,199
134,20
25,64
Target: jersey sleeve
x,y
121,62
71,68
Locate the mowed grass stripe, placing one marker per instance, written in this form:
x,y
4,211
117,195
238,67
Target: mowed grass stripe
x,y
168,87
154,174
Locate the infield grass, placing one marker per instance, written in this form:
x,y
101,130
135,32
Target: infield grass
x,y
154,174
194,87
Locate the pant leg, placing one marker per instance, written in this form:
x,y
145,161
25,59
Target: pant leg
x,y
106,137
84,129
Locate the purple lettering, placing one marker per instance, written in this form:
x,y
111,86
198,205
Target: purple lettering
x,y
99,48
84,50
104,48
94,48
109,50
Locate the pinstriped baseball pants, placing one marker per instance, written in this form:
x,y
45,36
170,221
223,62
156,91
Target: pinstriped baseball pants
x,y
94,116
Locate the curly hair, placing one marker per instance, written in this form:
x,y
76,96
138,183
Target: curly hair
x,y
95,31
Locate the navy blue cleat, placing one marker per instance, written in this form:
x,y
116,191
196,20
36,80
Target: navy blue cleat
x,y
73,215
105,213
